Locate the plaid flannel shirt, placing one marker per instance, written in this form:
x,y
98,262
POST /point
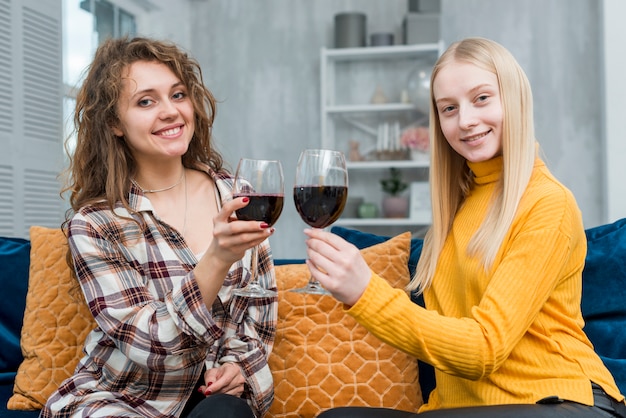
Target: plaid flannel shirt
x,y
155,335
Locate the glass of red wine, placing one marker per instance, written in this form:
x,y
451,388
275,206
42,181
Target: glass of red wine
x,y
262,182
320,193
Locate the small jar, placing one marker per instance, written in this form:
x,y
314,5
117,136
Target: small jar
x,y
368,210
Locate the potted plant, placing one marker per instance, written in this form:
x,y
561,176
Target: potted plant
x,y
394,204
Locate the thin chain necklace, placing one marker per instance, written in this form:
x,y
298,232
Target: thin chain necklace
x,y
182,176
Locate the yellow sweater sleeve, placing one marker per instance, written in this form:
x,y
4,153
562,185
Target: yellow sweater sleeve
x,y
471,346
509,335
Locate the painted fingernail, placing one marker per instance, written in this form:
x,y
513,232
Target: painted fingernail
x,y
246,199
209,384
264,225
200,390
207,392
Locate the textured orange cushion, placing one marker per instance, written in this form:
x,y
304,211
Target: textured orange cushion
x,y
56,322
323,358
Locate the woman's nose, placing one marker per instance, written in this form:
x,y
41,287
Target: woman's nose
x,y
467,117
168,109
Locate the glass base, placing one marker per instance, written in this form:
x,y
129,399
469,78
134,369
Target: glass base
x,y
254,291
312,289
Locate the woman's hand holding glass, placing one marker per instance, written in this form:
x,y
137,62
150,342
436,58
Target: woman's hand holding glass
x,y
337,265
320,193
261,182
231,239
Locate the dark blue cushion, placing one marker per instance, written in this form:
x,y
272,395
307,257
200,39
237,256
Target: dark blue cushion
x,y
285,261
14,264
604,296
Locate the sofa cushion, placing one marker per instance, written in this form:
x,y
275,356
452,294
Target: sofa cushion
x,y
323,358
604,296
6,390
366,239
56,322
14,259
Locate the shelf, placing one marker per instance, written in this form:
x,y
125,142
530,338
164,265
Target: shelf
x,y
371,108
379,222
350,122
380,52
384,165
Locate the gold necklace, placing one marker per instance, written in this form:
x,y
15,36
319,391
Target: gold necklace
x,y
183,177
163,189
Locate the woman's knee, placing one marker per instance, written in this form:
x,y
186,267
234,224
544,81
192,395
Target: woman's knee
x,y
223,406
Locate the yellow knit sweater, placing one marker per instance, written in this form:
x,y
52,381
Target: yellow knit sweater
x,y
514,334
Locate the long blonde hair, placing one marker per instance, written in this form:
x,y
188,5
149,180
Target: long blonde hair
x,y
450,177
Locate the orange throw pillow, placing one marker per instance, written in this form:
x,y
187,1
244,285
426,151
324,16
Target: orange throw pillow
x,y
323,358
56,322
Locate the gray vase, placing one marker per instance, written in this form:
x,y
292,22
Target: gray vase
x,y
350,30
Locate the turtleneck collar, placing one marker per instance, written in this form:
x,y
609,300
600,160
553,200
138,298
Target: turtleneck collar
x,y
486,171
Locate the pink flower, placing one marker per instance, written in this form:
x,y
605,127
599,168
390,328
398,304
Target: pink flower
x,y
415,138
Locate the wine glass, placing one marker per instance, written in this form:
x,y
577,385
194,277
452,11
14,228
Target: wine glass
x,y
320,193
261,181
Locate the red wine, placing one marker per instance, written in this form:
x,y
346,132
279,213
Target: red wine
x,y
320,206
262,207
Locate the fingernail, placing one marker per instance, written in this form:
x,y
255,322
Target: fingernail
x,y
209,384
246,199
264,225
200,390
207,392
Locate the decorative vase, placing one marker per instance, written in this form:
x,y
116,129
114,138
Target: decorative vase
x,y
418,85
421,156
395,206
350,30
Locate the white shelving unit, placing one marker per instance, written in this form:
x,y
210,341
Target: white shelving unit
x,y
349,78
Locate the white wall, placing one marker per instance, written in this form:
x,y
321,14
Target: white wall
x,y
558,44
261,59
31,86
613,36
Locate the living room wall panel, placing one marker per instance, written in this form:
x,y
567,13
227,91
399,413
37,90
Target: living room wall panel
x,y
262,61
559,45
31,75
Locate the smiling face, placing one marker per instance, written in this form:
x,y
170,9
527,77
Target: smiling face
x,y
156,116
470,111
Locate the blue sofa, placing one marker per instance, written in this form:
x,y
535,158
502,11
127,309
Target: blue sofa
x,y
603,306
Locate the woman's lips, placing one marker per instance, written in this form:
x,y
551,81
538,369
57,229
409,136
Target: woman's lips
x,y
170,132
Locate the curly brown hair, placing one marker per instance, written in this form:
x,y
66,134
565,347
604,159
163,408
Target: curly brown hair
x,y
102,165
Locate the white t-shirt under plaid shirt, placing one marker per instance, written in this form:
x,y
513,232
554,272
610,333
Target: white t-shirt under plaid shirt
x,y
155,335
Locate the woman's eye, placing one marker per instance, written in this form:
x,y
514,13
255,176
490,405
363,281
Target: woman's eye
x,y
144,102
178,96
447,109
482,98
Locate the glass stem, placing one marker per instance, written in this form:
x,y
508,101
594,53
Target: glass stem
x,y
314,286
253,267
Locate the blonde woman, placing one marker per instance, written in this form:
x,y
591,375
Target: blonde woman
x,y
501,267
